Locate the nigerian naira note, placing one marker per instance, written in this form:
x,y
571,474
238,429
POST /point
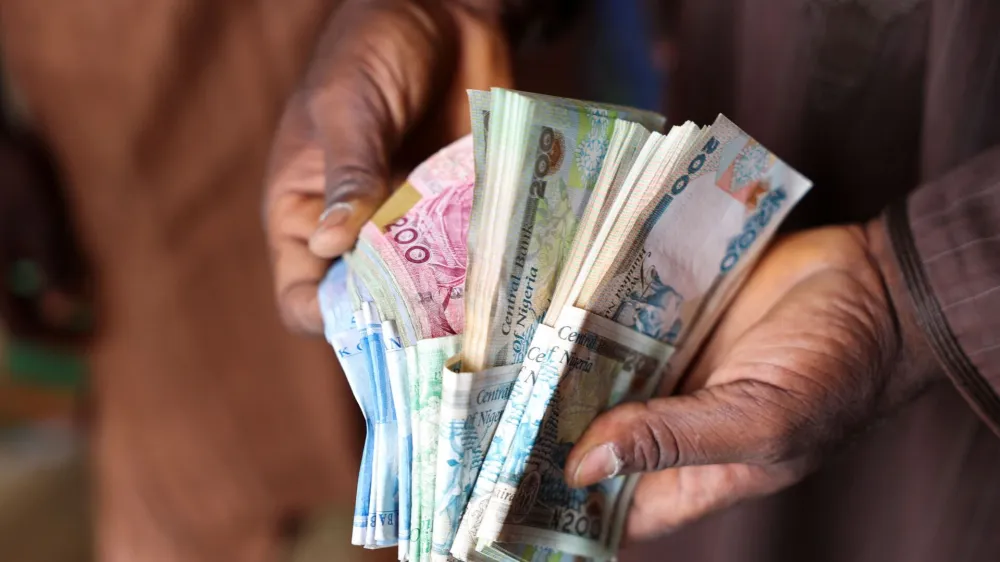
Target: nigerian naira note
x,y
680,266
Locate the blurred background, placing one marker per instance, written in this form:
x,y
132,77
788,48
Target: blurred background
x,y
46,507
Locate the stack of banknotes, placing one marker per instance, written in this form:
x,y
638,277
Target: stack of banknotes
x,y
564,258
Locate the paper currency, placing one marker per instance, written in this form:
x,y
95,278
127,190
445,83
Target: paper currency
x,y
420,236
541,166
344,335
351,354
563,259
623,148
676,273
500,444
590,364
385,517
399,381
471,407
408,269
426,406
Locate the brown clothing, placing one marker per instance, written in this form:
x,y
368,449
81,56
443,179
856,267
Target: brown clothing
x,y
214,426
873,100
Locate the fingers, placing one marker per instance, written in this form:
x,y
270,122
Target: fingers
x,y
670,499
740,422
293,207
298,270
370,89
372,77
356,178
790,378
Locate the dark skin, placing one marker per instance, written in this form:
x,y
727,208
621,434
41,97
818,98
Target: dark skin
x,y
813,350
819,344
385,71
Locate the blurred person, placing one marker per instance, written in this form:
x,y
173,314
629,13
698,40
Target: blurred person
x,y
865,346
215,431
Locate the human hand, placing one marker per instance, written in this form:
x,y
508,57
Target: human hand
x,y
819,343
387,87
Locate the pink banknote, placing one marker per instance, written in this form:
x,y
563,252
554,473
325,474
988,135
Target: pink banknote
x,y
420,234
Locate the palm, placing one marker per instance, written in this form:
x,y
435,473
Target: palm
x,y
797,356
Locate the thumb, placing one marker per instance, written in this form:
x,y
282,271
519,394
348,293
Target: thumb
x,y
353,193
370,89
746,421
356,144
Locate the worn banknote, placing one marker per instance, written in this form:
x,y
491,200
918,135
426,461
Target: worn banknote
x,y
586,364
564,146
419,234
346,338
399,381
552,191
384,519
471,407
425,403
679,267
567,143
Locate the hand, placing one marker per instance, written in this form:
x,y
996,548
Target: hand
x,y
387,88
813,349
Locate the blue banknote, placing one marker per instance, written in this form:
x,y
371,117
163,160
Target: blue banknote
x,y
471,407
383,520
396,364
344,334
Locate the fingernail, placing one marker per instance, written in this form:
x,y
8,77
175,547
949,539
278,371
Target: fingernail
x,y
599,463
336,214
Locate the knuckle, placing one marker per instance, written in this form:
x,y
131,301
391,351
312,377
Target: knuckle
x,y
776,448
656,445
353,181
780,417
780,441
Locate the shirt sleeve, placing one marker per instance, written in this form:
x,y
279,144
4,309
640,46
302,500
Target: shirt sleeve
x,y
946,237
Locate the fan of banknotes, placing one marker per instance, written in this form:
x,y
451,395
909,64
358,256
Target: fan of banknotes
x,y
564,258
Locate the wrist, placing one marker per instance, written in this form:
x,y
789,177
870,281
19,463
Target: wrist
x,y
916,366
